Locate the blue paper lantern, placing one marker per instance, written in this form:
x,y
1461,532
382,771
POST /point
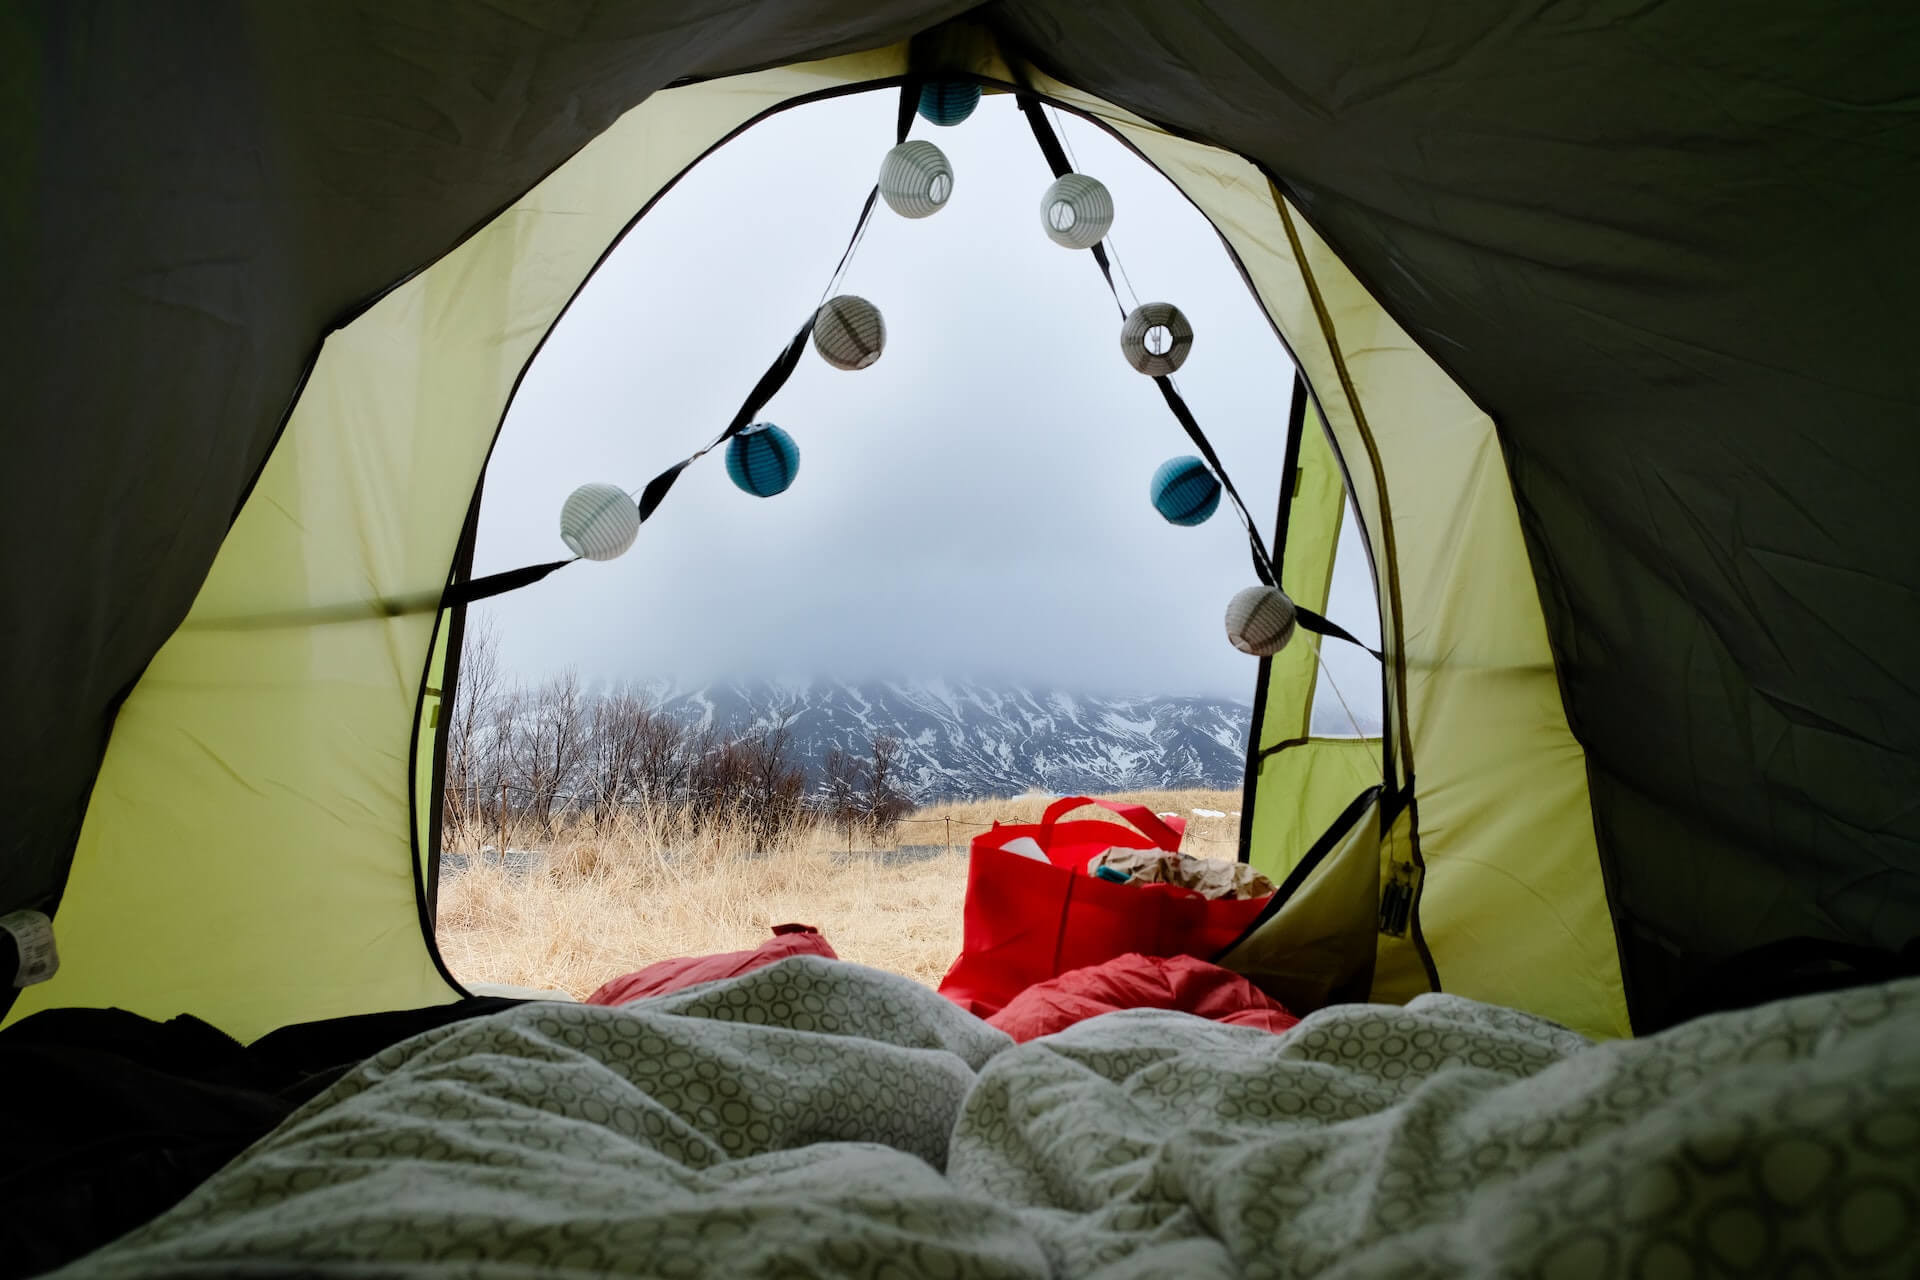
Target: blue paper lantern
x,y
1184,491
948,102
763,460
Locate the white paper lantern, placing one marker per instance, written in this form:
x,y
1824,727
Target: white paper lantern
x,y
848,332
1156,338
599,521
1076,211
1260,621
915,179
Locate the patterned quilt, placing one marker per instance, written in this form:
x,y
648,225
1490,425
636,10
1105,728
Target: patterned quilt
x,y
815,1118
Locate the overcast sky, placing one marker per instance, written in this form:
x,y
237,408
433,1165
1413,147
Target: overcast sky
x,y
974,505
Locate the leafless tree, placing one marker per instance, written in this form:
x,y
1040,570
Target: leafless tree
x,y
748,780
864,794
550,745
842,789
884,803
663,761
620,726
776,787
476,690
496,770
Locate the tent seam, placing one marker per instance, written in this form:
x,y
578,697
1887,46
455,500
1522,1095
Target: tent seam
x,y
1399,671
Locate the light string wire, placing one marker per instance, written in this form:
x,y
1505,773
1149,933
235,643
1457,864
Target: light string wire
x,y
1113,248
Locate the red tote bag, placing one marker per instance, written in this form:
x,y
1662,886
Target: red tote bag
x,y
1026,921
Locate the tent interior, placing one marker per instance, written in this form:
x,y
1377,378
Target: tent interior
x,y
1595,311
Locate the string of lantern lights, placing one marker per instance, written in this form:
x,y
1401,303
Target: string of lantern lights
x,y
601,521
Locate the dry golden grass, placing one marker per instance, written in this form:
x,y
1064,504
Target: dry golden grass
x,y
595,905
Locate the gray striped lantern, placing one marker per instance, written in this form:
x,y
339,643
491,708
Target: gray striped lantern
x,y
848,332
599,521
1260,621
915,179
1076,211
1156,338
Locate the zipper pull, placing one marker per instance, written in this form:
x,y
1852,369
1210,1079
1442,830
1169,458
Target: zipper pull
x,y
1396,900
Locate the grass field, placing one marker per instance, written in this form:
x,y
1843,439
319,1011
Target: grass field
x,y
590,906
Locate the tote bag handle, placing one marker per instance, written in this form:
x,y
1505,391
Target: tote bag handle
x,y
1164,834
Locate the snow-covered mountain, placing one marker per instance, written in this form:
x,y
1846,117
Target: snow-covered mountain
x,y
960,740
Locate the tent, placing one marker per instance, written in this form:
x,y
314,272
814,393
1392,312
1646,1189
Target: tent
x,y
1598,308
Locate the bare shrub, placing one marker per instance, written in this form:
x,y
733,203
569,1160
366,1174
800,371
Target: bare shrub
x,y
884,803
749,781
844,781
864,795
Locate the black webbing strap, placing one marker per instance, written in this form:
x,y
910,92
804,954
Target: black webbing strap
x,y
1322,626
320,615
788,360
1263,565
764,390
1057,161
909,104
500,583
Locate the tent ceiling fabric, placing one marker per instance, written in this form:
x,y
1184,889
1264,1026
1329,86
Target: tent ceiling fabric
x,y
1666,250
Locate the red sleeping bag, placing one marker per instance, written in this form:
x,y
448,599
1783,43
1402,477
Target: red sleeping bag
x,y
665,976
1181,983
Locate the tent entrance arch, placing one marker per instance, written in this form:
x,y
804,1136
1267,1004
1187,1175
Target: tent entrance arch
x,y
631,377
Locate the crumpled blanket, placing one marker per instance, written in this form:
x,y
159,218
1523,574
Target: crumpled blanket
x,y
818,1118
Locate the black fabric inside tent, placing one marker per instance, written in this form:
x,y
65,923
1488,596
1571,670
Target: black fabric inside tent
x,y
1663,246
